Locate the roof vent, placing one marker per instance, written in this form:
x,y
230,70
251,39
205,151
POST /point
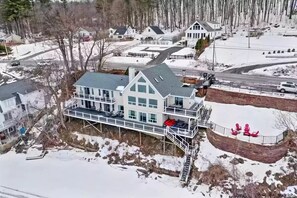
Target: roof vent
x,y
156,80
161,78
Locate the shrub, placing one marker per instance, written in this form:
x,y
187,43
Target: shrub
x,y
293,50
3,50
289,50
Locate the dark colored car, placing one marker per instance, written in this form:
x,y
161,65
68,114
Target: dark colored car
x,y
15,63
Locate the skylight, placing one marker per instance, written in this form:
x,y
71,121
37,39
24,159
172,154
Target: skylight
x,y
156,80
161,78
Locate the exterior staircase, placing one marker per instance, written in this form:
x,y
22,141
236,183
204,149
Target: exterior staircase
x,y
184,146
178,141
184,174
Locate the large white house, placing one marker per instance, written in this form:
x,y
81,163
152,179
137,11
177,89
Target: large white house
x,y
122,32
153,102
17,101
149,99
201,29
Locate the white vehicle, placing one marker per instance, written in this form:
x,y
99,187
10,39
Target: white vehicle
x,y
44,63
287,87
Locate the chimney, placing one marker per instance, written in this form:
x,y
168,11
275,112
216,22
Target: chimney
x,y
131,73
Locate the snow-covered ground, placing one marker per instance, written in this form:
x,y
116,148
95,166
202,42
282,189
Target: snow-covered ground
x,y
289,70
182,63
227,115
75,173
235,52
79,174
209,155
85,48
25,50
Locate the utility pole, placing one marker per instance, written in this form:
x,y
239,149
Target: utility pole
x,y
249,35
213,51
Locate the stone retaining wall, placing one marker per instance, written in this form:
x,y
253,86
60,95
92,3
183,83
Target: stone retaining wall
x,y
265,154
228,97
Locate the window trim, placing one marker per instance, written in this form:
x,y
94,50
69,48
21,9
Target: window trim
x,y
145,91
132,116
141,104
153,105
131,102
150,118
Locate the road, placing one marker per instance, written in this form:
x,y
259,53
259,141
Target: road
x,y
163,55
246,69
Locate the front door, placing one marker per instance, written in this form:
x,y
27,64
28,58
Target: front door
x,y
142,117
106,107
88,104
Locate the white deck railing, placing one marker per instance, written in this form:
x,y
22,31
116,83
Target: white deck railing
x,y
129,124
94,98
184,112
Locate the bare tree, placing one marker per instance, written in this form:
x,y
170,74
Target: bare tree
x,y
285,120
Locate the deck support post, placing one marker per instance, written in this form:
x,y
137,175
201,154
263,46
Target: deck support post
x,y
120,133
140,138
101,127
164,144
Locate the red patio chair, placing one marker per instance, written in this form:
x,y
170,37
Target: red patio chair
x,y
238,127
247,128
246,133
234,132
255,134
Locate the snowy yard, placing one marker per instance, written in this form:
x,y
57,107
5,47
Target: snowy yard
x,y
289,70
25,50
245,115
235,52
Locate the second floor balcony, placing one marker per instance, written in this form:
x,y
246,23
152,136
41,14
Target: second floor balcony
x,y
179,110
100,99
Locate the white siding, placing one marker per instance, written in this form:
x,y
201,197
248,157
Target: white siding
x,y
158,111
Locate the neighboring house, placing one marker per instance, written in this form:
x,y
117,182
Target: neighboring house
x,y
152,33
11,38
122,32
85,33
201,29
143,102
18,100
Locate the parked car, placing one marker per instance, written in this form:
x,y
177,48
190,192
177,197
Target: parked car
x,y
15,63
287,87
44,63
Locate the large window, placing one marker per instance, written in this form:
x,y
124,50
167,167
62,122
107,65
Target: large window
x,y
153,103
142,117
142,102
99,92
141,80
152,118
132,114
131,100
151,91
133,88
142,88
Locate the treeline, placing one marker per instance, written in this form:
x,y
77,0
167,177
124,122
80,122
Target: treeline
x,y
25,17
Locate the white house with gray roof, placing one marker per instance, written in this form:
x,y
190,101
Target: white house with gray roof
x,y
122,32
142,102
153,102
201,29
17,101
